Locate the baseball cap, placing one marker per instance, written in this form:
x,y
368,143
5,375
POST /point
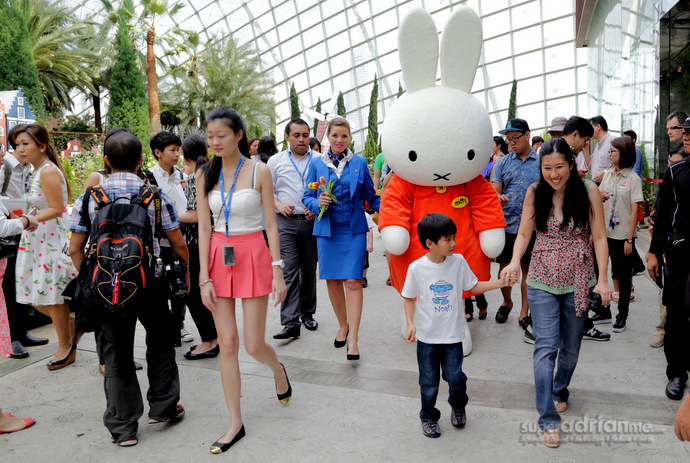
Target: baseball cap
x,y
558,124
684,125
515,125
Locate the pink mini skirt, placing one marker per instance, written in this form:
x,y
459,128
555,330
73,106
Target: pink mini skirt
x,y
252,274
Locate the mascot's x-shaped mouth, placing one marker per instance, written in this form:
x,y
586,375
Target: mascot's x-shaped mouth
x,y
442,177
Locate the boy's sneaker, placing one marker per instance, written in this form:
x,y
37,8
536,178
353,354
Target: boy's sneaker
x,y
619,326
129,442
595,335
430,428
525,322
458,418
604,316
179,414
528,336
185,335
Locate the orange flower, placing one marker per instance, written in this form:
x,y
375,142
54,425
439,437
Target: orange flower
x,y
322,181
313,185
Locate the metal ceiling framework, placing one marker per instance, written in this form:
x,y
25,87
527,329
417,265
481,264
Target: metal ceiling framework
x,y
323,46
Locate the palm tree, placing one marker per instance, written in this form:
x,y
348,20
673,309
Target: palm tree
x,y
151,9
223,74
62,64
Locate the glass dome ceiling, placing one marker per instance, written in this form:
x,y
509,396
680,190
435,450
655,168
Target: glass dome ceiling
x,y
327,46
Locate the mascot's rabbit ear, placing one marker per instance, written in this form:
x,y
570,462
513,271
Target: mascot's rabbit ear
x,y
461,45
418,50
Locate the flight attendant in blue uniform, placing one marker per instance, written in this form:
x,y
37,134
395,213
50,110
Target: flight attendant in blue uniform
x,y
341,232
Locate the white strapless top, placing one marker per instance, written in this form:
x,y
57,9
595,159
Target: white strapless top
x,y
245,211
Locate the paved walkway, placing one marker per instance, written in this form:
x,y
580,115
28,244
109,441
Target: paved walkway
x,y
367,410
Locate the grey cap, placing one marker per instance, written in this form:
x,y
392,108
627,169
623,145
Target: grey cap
x,y
558,124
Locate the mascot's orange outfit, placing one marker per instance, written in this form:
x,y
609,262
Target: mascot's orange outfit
x,y
473,206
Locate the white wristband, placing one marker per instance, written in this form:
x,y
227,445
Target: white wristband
x,y
278,263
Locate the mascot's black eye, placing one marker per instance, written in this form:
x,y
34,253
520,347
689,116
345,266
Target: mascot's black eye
x,y
470,154
413,155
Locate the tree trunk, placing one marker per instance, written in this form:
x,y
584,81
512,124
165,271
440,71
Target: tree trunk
x,y
154,106
96,100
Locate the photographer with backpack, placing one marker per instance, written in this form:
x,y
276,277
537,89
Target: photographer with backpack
x,y
120,296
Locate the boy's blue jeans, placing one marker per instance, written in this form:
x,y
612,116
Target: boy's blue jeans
x,y
557,332
448,358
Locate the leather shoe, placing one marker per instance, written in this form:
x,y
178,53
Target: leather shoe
x,y
310,323
674,389
502,314
287,333
28,340
18,351
209,354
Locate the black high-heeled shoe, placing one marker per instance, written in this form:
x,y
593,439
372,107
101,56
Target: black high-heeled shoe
x,y
57,364
285,397
352,356
220,447
339,344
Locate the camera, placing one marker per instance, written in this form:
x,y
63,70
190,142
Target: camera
x,y
594,298
175,275
594,302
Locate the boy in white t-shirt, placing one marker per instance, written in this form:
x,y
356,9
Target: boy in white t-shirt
x,y
437,280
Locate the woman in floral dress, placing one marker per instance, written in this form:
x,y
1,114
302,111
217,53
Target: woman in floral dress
x,y
40,278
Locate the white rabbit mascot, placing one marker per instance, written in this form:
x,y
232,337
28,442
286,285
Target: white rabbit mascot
x,y
437,140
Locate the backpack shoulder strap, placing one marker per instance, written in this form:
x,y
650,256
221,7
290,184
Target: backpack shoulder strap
x,y
85,208
98,194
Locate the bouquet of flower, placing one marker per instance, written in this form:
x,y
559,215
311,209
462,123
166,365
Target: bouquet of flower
x,y
326,189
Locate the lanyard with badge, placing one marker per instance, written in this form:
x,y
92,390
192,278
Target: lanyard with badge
x,y
228,251
303,174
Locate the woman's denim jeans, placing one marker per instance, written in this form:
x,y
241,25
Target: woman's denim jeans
x,y
557,333
449,358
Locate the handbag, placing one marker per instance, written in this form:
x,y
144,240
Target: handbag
x,y
65,261
9,246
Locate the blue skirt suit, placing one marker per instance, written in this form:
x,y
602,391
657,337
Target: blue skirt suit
x,y
341,232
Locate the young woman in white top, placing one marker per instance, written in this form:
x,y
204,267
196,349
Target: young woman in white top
x,y
40,280
234,260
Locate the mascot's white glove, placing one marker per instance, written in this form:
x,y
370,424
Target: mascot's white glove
x,y
492,241
396,239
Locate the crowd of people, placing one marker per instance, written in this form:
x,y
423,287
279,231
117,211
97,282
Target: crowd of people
x,y
249,223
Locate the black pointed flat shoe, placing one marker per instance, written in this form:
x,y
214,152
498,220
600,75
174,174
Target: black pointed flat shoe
x,y
209,354
220,447
285,397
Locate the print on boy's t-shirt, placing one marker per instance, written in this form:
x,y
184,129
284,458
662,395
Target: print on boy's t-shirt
x,y
441,290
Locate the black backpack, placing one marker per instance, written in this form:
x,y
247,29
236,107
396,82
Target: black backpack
x,y
119,262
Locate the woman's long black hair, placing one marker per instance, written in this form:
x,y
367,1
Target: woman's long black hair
x,y
195,148
576,203
233,120
267,149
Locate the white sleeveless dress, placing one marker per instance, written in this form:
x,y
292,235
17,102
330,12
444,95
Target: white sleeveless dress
x,y
40,278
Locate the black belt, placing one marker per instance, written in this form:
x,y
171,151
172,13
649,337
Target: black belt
x,y
298,216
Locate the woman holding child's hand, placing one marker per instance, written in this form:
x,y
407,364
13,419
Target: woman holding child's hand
x,y
567,212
